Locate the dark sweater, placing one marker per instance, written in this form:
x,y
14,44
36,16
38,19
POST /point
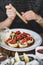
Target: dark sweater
x,y
22,6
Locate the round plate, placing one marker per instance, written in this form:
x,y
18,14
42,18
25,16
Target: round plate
x,y
33,62
7,60
37,37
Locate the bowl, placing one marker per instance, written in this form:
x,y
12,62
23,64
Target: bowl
x,y
39,52
3,57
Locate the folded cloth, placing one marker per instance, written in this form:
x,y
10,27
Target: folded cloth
x,y
34,62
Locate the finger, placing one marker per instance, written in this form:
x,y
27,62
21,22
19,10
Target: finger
x,y
11,6
22,13
24,17
8,6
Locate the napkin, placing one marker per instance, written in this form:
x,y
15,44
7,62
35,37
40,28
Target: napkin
x,y
34,62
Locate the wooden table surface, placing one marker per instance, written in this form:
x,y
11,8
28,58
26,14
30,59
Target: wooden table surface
x,y
11,53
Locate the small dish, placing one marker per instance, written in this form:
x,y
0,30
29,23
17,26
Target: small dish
x,y
12,60
3,57
39,54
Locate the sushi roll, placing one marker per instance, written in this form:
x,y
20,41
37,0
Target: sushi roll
x,y
29,42
13,45
23,43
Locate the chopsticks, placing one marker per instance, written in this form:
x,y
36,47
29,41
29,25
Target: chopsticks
x,y
19,15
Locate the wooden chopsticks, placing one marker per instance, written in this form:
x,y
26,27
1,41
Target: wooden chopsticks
x,y
19,15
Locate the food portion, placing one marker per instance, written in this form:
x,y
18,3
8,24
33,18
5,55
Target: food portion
x,y
19,40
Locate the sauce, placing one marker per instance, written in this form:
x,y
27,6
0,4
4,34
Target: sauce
x,y
40,51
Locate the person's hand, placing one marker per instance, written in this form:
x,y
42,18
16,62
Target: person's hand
x,y
10,11
29,15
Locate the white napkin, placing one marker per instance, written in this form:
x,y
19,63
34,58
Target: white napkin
x,y
34,62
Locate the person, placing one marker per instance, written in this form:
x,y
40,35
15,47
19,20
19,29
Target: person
x,y
32,11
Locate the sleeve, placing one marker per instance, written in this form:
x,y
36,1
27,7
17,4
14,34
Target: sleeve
x,y
2,11
37,7
41,9
2,15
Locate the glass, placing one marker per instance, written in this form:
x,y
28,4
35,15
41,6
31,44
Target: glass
x,y
3,52
3,34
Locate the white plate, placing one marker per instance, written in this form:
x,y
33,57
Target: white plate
x,y
37,37
31,55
